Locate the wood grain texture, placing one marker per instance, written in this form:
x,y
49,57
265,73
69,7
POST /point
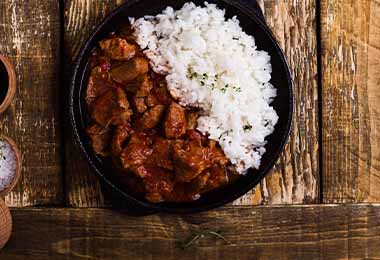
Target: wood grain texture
x,y
82,185
350,32
29,37
282,232
295,178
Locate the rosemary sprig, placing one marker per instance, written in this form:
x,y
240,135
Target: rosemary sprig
x,y
200,234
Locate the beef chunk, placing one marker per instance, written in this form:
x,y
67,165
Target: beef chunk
x,y
151,118
195,135
181,193
216,154
218,177
191,118
162,153
98,83
141,86
139,104
175,121
135,155
120,137
190,160
111,108
100,139
104,62
157,181
118,49
151,100
160,90
198,184
209,179
129,70
144,138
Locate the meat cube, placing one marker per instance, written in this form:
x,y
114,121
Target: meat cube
x,y
98,83
190,160
98,60
100,139
217,177
118,49
129,70
157,182
162,153
111,108
120,137
151,118
175,121
101,109
134,155
143,138
191,118
151,100
180,193
216,154
160,90
198,184
139,104
141,86
195,135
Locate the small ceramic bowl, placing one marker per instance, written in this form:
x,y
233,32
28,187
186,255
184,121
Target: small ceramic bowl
x,y
7,83
17,175
5,224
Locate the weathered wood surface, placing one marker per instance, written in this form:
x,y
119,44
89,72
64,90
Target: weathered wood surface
x,y
82,186
29,37
350,32
295,178
282,232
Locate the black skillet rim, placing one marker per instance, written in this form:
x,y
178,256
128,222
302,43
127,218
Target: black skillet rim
x,y
258,19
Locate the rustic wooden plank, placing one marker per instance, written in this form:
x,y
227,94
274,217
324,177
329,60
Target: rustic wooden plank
x,y
295,178
350,32
282,232
30,38
82,186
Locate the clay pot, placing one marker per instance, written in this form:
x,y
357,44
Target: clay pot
x,y
5,224
7,83
17,175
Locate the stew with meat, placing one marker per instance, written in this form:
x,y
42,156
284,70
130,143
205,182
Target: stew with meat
x,y
151,138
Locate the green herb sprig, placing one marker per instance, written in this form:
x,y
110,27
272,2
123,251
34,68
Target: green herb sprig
x,y
192,241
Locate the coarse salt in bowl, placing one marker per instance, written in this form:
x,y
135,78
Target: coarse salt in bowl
x,y
10,165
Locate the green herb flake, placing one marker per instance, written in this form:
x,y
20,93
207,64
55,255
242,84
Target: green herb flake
x,y
247,127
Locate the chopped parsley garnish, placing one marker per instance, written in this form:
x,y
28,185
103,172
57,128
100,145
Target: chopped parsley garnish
x,y
247,127
225,133
210,81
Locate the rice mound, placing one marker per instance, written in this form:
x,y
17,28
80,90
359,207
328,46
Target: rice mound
x,y
212,64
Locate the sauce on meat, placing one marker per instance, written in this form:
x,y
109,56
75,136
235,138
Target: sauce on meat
x,y
152,138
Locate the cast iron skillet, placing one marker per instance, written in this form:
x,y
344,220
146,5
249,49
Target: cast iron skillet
x,y
252,22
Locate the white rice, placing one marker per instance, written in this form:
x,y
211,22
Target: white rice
x,y
212,64
8,164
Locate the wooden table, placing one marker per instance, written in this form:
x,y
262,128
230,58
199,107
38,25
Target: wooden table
x,y
329,171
